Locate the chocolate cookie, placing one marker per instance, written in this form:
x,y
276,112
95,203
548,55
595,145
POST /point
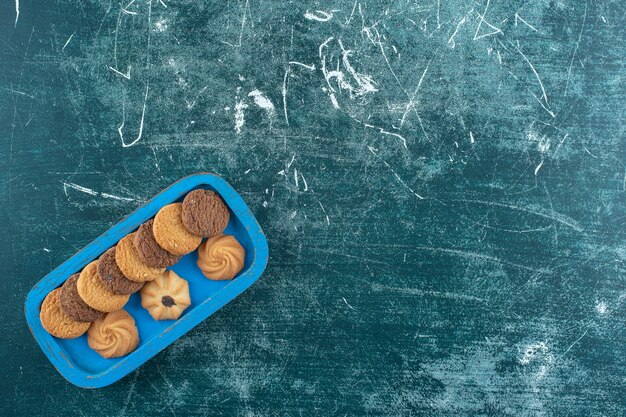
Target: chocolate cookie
x,y
112,277
73,305
204,213
170,232
56,322
149,250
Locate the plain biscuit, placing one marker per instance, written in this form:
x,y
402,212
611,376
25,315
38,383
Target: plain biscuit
x,y
95,294
56,322
130,264
171,234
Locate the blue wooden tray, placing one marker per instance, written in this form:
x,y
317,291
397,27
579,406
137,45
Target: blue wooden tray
x,y
82,366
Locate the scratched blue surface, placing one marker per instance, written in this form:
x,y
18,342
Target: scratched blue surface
x,y
441,184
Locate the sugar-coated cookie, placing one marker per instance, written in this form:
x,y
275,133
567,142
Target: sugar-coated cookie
x,y
95,294
149,250
204,213
166,297
171,234
113,335
112,277
130,264
56,322
221,257
73,305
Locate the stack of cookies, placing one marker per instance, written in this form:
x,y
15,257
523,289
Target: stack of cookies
x,y
92,301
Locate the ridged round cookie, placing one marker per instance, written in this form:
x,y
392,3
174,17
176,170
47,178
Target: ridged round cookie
x,y
130,264
113,335
149,250
95,294
170,232
221,257
204,213
112,277
56,322
166,297
73,305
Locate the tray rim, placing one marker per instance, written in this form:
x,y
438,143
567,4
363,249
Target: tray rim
x,y
128,364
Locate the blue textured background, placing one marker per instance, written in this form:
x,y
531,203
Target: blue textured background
x,y
442,184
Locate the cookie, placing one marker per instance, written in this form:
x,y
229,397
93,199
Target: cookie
x,y
112,277
221,257
171,234
166,297
204,213
128,261
95,294
56,322
149,250
73,305
113,335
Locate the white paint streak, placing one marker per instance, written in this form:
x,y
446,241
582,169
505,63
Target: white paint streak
x,y
130,393
384,132
68,41
17,11
239,115
400,180
519,18
310,67
543,90
285,86
284,93
344,300
319,15
429,293
560,218
364,83
262,101
569,70
324,211
575,341
161,25
306,186
494,30
127,75
90,191
143,114
411,102
244,17
451,42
